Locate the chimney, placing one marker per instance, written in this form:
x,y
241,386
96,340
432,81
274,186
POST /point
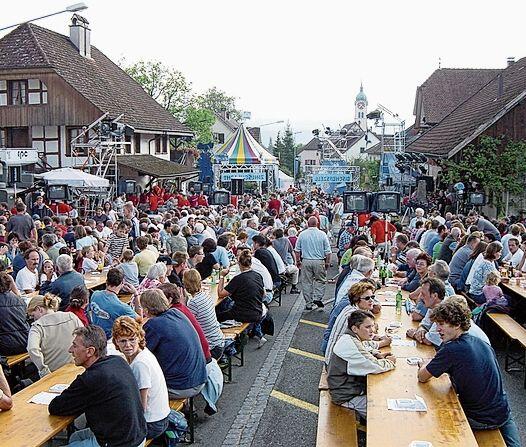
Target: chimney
x,y
510,60
80,35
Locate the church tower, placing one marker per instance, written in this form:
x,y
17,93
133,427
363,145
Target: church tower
x,y
360,109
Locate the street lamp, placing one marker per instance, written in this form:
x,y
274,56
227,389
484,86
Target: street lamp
x,y
72,8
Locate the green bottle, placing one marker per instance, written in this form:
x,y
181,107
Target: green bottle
x,y
399,301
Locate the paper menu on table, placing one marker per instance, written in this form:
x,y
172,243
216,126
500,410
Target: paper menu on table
x,y
415,405
58,388
410,343
42,398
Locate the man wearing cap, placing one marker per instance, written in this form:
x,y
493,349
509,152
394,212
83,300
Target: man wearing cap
x,y
344,242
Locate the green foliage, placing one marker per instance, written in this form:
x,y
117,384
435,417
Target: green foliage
x,y
166,85
285,149
369,173
497,167
218,101
173,91
201,122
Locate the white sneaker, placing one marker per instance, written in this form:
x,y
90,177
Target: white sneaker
x,y
261,342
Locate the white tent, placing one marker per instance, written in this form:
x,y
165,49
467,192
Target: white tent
x,y
284,181
73,177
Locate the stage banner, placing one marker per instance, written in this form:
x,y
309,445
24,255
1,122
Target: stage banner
x,y
247,176
332,178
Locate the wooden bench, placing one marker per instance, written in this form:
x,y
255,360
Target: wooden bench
x,y
232,333
175,404
514,332
323,385
13,360
489,438
336,424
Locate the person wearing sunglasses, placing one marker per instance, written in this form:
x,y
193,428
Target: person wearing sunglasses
x,y
361,297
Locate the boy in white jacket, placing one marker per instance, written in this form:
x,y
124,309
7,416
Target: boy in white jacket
x,y
351,362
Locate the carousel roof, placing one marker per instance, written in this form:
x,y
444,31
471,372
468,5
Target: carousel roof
x,y
243,149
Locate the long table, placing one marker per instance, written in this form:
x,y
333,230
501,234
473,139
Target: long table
x,y
30,425
444,423
94,280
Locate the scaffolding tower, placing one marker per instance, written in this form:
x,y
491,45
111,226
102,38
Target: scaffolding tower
x,y
95,149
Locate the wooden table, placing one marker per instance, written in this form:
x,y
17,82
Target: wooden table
x,y
94,280
444,424
30,425
388,315
514,289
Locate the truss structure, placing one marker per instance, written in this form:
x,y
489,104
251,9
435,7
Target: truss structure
x,y
270,170
95,149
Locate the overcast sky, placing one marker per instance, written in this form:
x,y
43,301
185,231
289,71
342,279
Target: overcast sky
x,y
300,61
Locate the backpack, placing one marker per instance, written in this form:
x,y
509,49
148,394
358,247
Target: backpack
x,y
177,428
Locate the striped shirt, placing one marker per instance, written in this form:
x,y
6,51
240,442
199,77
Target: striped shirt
x,y
202,306
116,245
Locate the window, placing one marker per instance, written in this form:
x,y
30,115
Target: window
x,y
161,144
219,138
3,137
17,91
137,143
46,139
73,132
37,91
310,162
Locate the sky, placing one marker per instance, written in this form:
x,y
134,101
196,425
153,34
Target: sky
x,y
300,62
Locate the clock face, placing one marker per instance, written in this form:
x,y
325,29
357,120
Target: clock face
x,y
361,105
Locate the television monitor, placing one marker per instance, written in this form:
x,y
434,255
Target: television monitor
x,y
477,198
387,202
57,192
198,186
221,198
355,202
130,186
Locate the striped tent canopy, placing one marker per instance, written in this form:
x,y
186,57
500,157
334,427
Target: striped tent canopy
x,y
243,149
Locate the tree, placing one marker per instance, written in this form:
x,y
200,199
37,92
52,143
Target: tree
x,y
218,101
369,173
496,165
201,122
166,85
284,149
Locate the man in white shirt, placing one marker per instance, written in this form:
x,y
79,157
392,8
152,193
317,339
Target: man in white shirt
x,y
258,267
515,254
27,278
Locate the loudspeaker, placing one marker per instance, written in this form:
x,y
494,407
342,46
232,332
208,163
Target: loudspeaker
x,y
355,202
237,186
477,198
386,202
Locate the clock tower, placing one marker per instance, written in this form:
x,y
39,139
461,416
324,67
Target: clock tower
x,y
360,109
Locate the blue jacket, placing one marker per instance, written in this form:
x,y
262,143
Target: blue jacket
x,y
175,343
63,286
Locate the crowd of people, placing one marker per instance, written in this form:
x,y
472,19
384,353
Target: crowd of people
x,y
445,264
164,252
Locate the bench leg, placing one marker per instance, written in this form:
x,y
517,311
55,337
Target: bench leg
x,y
191,422
506,359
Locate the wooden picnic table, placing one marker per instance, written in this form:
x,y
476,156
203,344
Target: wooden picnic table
x,y
388,315
514,289
30,425
95,279
444,423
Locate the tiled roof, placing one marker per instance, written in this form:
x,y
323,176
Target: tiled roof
x,y
476,114
312,145
446,88
375,150
156,167
98,79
